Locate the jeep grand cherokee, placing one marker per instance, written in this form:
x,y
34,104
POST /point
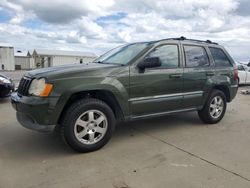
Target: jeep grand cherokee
x,y
134,81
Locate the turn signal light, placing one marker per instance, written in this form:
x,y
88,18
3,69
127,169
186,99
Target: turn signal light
x,y
47,90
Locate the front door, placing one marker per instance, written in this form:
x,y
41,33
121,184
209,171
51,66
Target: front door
x,y
157,90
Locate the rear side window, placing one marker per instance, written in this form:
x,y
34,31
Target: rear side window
x,y
220,58
196,56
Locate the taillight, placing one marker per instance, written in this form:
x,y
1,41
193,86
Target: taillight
x,y
235,73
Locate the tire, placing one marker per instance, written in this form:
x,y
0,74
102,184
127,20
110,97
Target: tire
x,y
88,125
213,111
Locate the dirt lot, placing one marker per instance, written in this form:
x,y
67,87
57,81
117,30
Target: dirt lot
x,y
174,151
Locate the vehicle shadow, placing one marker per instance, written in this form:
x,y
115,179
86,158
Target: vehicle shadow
x,y
172,121
27,144
241,86
32,145
4,100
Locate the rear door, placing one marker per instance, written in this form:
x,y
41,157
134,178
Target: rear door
x,y
224,67
197,72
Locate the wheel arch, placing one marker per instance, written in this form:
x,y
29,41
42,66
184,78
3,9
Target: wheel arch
x,y
105,95
224,89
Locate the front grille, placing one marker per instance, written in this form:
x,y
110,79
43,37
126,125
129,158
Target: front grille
x,y
23,88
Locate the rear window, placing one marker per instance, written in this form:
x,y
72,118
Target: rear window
x,y
220,58
196,56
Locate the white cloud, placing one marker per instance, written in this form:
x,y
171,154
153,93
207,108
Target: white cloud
x,y
91,29
18,19
93,25
10,5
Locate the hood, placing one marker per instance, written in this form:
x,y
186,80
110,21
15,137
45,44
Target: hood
x,y
1,75
64,69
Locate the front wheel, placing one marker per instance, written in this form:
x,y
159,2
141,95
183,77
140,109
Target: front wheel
x,y
214,109
88,125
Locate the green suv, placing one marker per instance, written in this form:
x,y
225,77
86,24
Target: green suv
x,y
134,81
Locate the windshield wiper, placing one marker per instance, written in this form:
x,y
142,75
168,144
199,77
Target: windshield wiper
x,y
103,62
98,62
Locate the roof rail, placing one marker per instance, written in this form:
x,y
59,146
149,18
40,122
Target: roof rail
x,y
194,40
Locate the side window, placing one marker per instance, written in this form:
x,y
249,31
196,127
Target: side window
x,y
247,68
241,68
220,58
196,56
168,55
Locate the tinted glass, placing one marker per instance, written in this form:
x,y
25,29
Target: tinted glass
x,y
246,68
168,55
196,56
220,58
241,68
123,54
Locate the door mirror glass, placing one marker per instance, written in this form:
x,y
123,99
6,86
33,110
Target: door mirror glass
x,y
150,62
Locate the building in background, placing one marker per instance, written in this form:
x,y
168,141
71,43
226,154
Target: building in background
x,y
7,61
23,60
48,58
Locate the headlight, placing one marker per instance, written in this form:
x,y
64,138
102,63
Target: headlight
x,y
39,87
4,80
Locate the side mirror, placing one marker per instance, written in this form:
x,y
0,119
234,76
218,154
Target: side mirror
x,y
150,62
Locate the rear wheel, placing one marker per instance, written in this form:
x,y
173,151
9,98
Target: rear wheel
x,y
88,125
214,109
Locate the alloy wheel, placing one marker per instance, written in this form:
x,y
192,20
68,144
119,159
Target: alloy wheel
x,y
216,107
90,127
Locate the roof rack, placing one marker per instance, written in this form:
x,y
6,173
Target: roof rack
x,y
194,40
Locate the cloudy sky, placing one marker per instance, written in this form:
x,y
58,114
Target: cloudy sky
x,y
98,25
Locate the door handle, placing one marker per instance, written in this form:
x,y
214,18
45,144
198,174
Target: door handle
x,y
210,74
175,75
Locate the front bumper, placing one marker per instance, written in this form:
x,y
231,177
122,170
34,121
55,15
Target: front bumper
x,y
233,91
34,112
29,123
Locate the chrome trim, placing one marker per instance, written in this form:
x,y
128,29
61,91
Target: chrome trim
x,y
27,78
234,85
164,96
163,113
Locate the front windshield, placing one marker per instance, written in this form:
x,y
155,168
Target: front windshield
x,y
122,55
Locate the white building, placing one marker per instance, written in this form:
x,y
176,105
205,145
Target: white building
x,y
48,58
23,60
7,57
